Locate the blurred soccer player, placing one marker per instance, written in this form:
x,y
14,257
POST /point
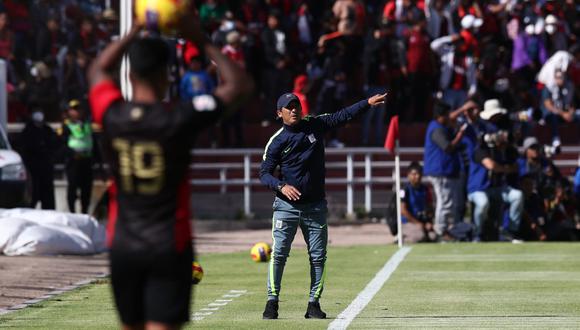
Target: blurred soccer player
x,y
147,146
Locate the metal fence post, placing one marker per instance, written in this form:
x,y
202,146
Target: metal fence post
x,y
349,185
368,177
247,210
223,180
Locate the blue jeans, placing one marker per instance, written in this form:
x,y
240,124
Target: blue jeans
x,y
555,121
311,218
481,201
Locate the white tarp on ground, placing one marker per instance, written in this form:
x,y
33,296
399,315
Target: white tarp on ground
x,y
39,232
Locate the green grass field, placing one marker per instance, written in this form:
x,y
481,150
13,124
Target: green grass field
x,y
436,286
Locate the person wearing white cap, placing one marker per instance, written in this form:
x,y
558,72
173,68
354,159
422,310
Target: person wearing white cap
x,y
532,162
458,71
491,169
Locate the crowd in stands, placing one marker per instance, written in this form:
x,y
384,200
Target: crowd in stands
x,y
523,52
513,196
518,60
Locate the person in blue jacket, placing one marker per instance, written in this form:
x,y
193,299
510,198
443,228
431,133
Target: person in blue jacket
x,y
298,150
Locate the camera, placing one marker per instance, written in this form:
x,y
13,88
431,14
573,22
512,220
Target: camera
x,y
526,115
492,139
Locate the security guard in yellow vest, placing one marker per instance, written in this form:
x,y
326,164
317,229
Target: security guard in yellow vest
x,y
78,137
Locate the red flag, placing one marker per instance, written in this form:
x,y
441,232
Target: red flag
x,y
392,134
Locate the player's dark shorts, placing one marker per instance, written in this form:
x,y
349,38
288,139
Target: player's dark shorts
x,y
150,288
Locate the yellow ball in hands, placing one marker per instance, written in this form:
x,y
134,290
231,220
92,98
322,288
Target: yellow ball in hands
x,y
161,16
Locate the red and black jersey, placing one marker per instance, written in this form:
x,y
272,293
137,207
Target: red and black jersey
x,y
147,147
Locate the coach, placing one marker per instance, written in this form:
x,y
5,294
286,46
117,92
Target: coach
x,y
298,149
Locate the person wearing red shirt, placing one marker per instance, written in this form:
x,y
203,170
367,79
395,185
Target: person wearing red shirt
x,y
419,69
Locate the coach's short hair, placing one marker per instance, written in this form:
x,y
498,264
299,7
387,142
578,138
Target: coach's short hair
x,y
148,57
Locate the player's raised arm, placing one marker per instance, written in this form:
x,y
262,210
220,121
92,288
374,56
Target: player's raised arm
x,y
344,115
236,83
106,62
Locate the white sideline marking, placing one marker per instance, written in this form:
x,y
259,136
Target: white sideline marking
x,y
366,295
216,305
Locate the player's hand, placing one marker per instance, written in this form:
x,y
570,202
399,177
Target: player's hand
x,y
377,99
291,192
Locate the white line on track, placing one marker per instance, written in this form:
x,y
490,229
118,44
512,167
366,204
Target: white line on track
x,y
216,305
343,319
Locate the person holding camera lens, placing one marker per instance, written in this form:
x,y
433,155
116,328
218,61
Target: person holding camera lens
x,y
490,182
535,160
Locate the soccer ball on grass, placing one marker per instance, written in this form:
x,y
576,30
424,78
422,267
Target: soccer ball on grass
x,y
260,252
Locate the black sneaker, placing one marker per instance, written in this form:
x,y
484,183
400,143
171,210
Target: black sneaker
x,y
271,310
314,311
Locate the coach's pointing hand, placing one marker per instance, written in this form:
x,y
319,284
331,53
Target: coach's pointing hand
x,y
292,193
377,99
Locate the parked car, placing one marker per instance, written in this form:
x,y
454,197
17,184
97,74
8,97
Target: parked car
x,y
15,187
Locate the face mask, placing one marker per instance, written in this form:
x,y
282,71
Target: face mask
x,y
530,29
551,29
38,117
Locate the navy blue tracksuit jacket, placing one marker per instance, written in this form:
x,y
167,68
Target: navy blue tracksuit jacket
x,y
299,151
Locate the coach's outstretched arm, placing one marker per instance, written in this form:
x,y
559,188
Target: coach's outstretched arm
x,y
103,67
344,115
236,83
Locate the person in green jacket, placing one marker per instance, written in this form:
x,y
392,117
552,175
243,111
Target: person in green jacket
x,y
78,138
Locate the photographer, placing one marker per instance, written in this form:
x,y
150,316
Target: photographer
x,y
534,160
491,172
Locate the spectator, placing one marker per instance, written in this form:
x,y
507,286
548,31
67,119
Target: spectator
x,y
534,213
77,134
211,13
439,17
493,162
533,164
375,56
38,145
195,81
276,67
419,69
49,40
558,104
529,54
417,208
6,38
442,165
301,87
72,79
43,92
458,71
234,52
562,225
556,39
